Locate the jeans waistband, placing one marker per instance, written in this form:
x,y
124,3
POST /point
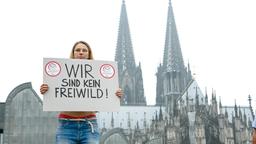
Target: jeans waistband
x,y
82,120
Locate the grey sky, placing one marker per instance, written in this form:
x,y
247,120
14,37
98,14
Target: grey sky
x,y
217,38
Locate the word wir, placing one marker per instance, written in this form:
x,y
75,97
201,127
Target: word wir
x,y
80,70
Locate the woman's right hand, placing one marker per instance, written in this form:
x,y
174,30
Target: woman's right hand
x,y
44,88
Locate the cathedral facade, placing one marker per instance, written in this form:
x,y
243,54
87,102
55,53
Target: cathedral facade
x,y
185,116
182,113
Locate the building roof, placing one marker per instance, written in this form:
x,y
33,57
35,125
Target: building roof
x,y
130,114
242,111
190,93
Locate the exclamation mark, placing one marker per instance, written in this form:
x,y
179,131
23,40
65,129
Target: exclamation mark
x,y
106,93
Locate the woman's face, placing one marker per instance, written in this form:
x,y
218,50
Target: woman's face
x,y
81,51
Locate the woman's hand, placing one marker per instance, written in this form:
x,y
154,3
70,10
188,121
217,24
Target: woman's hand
x,y
119,93
44,88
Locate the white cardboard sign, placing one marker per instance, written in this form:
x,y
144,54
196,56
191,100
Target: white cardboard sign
x,y
80,85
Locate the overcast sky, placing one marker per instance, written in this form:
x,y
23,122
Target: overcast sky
x,y
217,38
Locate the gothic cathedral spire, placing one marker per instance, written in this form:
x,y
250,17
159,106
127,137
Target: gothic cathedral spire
x,y
130,75
172,74
172,60
124,51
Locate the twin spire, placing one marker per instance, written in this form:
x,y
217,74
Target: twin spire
x,y
172,57
130,76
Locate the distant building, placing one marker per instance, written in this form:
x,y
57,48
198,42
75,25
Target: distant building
x,y
182,114
24,120
188,117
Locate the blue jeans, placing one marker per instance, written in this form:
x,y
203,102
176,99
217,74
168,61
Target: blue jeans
x,y
77,132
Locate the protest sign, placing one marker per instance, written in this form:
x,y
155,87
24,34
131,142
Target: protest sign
x,y
80,85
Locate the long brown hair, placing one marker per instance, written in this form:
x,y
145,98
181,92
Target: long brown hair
x,y
85,43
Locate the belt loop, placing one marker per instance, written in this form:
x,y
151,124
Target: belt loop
x,y
92,128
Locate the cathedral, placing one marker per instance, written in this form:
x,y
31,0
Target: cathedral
x,y
183,114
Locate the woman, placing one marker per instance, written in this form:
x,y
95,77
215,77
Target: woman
x,y
78,127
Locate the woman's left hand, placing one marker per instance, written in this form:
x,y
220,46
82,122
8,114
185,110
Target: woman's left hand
x,y
119,93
